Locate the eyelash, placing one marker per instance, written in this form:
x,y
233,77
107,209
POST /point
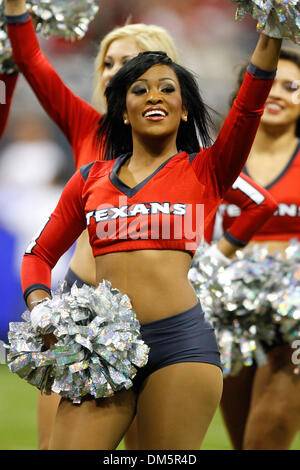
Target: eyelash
x,y
290,88
109,65
140,91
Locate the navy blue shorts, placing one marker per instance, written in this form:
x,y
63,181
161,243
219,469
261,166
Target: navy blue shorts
x,y
70,278
185,337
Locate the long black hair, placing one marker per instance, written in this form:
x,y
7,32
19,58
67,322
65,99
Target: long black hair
x,y
285,54
117,137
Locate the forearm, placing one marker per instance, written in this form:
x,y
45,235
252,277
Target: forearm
x,y
15,7
266,53
227,249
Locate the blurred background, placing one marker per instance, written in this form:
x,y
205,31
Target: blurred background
x,y
36,160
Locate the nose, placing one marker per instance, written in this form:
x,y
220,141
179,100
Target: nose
x,y
275,91
154,97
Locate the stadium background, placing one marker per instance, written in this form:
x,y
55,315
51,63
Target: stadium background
x,y
36,160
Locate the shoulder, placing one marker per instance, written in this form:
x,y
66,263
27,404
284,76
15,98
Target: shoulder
x,y
96,168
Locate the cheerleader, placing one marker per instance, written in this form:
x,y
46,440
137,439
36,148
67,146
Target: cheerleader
x,y
153,105
261,406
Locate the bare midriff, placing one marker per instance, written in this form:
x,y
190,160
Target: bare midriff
x,y
155,280
83,261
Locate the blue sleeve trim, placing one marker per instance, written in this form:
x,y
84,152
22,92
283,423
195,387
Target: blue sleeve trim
x,y
35,287
192,156
259,73
14,19
85,170
230,238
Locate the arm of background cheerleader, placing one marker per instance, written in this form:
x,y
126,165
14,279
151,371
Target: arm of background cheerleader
x,y
220,164
74,116
59,233
9,84
256,205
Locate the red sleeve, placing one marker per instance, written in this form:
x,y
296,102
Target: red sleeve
x,y
61,230
256,204
8,83
220,164
75,117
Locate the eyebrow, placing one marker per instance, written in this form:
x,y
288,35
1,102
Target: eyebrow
x,y
160,79
123,57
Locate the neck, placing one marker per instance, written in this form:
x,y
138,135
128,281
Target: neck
x,y
145,151
273,140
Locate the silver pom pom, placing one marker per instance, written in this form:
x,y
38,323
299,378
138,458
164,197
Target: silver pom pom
x,y
98,344
248,300
276,18
68,19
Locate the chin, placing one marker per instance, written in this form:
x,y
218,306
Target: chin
x,y
273,120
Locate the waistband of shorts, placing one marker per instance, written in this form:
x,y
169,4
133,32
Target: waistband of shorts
x,y
71,277
175,320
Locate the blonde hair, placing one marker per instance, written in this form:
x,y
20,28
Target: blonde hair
x,y
147,38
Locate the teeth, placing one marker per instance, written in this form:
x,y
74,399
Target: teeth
x,y
155,112
274,106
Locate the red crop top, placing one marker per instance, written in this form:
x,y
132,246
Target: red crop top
x,y
179,198
285,189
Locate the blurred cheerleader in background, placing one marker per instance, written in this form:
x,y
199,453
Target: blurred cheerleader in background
x,y
261,406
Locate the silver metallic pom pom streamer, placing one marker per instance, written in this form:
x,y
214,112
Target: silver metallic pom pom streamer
x,y
248,300
68,19
277,18
98,346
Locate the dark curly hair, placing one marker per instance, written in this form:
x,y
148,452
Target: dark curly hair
x,y
285,54
117,137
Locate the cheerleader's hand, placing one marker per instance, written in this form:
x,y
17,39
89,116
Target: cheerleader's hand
x,y
37,314
38,317
272,27
214,252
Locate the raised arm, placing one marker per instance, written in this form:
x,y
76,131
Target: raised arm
x,y
7,88
75,117
61,230
220,164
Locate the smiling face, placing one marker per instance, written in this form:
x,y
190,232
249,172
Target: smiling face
x,y
154,105
118,53
282,106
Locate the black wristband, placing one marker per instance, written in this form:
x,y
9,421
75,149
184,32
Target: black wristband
x,y
259,73
35,287
15,19
230,238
